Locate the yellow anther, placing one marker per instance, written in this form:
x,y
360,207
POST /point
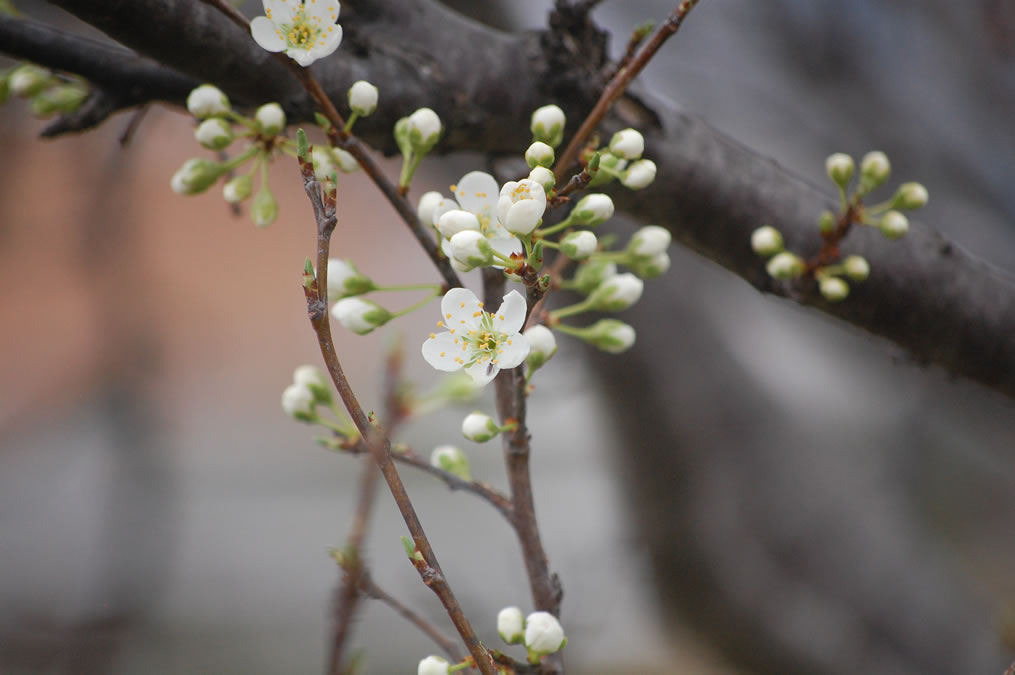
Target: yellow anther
x,y
442,354
432,336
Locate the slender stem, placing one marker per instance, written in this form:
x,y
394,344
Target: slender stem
x,y
376,439
618,84
340,137
368,586
510,399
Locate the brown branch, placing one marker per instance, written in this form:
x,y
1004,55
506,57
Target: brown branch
x,y
368,586
619,83
341,138
376,439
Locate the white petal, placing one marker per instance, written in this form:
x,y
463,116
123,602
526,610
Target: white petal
x,y
300,56
482,373
506,245
325,10
281,10
458,307
504,204
510,355
477,192
266,34
440,352
442,207
524,216
330,44
511,315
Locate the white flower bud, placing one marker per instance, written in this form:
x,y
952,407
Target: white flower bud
x,y
238,189
579,245
539,154
839,166
452,460
592,273
856,267
547,125
649,241
651,267
27,80
214,133
207,101
609,335
270,119
479,427
324,164
785,265
617,293
452,222
362,98
609,166
544,177
196,175
627,144
298,403
766,241
592,210
893,225
426,205
346,162
264,208
521,205
543,633
424,129
359,315
511,625
432,665
874,170
639,175
910,196
313,379
471,249
542,346
833,289
345,280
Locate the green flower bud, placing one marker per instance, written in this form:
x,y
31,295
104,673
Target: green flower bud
x,y
452,460
840,167
547,125
785,265
591,274
27,80
264,208
539,154
857,267
910,196
874,170
833,289
196,175
894,225
767,241
238,189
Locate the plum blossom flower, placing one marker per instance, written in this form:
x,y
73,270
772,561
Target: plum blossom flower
x,y
520,205
476,193
305,32
481,342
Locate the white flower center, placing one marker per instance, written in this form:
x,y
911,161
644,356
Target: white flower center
x,y
305,32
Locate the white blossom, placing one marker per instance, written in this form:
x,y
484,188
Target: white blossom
x,y
359,315
521,205
627,144
650,240
476,193
362,98
543,633
452,222
432,665
305,32
207,101
616,293
594,209
579,245
270,119
481,342
298,402
479,427
639,175
511,625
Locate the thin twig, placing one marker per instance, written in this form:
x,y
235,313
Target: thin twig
x,y
371,589
618,84
378,442
358,149
353,558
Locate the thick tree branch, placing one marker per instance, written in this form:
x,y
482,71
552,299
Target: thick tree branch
x,y
927,294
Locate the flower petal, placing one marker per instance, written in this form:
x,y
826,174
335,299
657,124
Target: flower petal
x,y
300,56
458,308
511,355
266,34
506,245
478,192
511,315
322,12
442,207
279,11
523,216
441,350
331,43
482,373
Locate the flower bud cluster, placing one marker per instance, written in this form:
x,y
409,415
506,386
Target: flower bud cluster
x,y
48,94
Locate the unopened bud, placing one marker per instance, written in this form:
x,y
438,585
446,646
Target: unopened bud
x,y
766,241
592,273
856,267
544,177
627,144
423,129
833,289
264,208
270,119
207,101
543,633
639,175
298,403
511,625
910,196
579,245
893,225
362,98
344,280
360,315
594,209
542,346
840,167
479,427
616,293
539,154
196,175
547,125
649,241
652,266
785,265
214,133
27,80
313,379
452,460
874,170
238,189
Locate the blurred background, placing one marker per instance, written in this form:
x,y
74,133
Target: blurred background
x,y
754,488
